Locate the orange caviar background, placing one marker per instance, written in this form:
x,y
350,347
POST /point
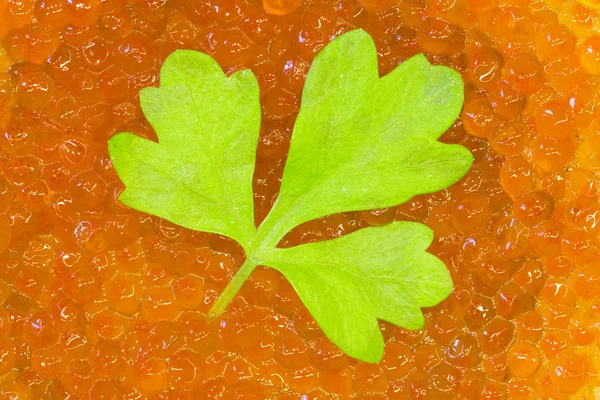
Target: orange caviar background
x,y
102,302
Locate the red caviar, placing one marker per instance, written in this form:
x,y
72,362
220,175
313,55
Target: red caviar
x,y
102,302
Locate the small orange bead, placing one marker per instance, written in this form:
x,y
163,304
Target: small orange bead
x,y
34,90
106,390
525,73
496,336
517,176
186,370
18,139
66,313
19,12
506,100
582,183
115,20
552,154
590,55
479,118
5,323
5,114
444,328
426,356
510,138
472,213
493,390
578,18
40,331
568,373
463,351
533,207
378,5
586,280
556,4
437,36
124,293
413,12
564,72
554,39
480,4
290,349
583,213
555,343
76,343
328,357
379,217
530,276
528,326
134,54
33,43
588,321
475,247
189,291
82,13
524,389
284,7
556,316
220,267
397,360
369,378
88,188
496,367
512,300
556,291
485,67
7,356
159,304
95,55
481,309
444,379
51,362
153,376
50,12
337,383
584,101
558,266
588,152
579,246
5,234
109,324
555,119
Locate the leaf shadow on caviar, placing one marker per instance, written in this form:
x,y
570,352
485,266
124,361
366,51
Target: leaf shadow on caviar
x,y
359,142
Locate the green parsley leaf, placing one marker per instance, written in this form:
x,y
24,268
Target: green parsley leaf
x,y
199,175
375,273
359,142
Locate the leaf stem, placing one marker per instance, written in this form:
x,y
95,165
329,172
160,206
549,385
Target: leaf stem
x,y
232,288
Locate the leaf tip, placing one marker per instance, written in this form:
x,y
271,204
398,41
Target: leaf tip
x,y
467,157
444,285
356,32
451,77
447,284
123,197
355,38
179,53
374,353
115,143
246,77
417,323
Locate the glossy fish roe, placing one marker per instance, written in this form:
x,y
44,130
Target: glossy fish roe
x,y
99,301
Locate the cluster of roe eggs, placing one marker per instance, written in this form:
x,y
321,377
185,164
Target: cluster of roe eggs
x,y
102,302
